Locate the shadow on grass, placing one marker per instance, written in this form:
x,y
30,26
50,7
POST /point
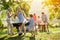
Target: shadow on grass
x,y
3,38
32,38
20,38
16,38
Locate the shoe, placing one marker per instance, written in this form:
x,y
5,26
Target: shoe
x,y
32,35
10,34
20,34
24,33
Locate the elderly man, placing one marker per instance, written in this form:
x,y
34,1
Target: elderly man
x,y
45,22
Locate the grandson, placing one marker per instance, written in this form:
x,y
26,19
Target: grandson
x,y
31,25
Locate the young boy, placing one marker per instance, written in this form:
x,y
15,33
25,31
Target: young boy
x,y
31,25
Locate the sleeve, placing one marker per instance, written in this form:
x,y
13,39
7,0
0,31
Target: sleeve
x,y
46,18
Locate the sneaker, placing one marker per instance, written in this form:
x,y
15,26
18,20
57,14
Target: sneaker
x,y
20,34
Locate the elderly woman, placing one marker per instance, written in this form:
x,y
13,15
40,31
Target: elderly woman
x,y
9,14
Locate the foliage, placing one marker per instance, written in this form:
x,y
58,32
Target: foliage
x,y
11,3
25,7
53,8
2,16
0,22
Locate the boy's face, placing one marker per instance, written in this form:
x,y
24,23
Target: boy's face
x,y
31,15
42,14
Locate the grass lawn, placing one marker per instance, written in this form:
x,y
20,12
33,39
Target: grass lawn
x,y
54,34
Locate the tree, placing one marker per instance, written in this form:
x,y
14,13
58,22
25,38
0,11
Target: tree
x,y
25,7
11,3
2,17
53,8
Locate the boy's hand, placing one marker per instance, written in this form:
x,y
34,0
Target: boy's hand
x,y
27,18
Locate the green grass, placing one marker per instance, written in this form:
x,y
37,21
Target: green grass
x,y
54,34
